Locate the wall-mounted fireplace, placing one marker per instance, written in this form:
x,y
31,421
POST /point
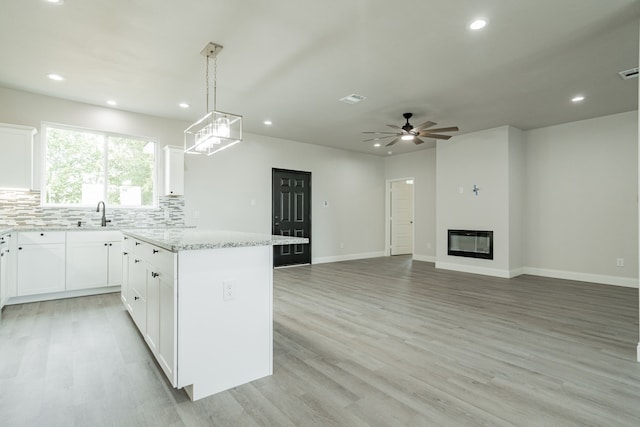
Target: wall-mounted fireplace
x,y
471,243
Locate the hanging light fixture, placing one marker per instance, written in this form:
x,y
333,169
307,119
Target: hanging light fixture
x,y
216,130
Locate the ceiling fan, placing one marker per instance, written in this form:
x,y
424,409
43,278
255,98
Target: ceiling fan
x,y
409,133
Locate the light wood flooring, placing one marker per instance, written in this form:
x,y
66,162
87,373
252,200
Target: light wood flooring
x,y
377,342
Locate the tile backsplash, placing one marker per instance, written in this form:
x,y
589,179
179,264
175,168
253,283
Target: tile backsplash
x,y
19,207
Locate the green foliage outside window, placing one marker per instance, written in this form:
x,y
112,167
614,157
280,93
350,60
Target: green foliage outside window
x,y
84,167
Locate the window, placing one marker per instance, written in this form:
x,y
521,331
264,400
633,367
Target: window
x,y
82,167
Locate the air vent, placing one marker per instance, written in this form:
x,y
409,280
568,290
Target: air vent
x,y
629,74
352,99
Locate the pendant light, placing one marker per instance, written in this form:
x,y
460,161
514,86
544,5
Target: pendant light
x,y
217,130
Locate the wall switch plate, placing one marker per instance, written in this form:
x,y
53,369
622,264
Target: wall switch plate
x,y
620,262
228,290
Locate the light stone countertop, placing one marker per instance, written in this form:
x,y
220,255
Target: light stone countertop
x,y
184,239
4,229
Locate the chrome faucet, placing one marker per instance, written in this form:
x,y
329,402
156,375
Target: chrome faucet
x,y
104,221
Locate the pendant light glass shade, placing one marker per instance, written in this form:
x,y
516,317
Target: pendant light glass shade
x,y
212,133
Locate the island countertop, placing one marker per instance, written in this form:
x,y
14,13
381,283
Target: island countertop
x,y
185,239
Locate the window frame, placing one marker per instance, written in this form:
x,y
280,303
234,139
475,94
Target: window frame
x,y
106,134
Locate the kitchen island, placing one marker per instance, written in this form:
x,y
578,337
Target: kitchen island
x,y
203,302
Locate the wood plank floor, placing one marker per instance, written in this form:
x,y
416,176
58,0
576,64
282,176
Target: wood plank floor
x,y
377,342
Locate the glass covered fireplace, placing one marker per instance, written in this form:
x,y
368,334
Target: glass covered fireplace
x,y
471,243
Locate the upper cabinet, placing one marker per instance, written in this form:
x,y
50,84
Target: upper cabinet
x,y
173,171
16,156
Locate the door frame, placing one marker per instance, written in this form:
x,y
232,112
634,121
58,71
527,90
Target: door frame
x,y
273,172
387,215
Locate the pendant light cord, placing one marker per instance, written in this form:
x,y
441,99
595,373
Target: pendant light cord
x,y
215,79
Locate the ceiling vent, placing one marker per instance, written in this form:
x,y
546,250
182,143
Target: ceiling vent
x,y
629,74
352,99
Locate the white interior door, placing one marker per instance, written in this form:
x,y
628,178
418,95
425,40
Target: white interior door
x,y
401,217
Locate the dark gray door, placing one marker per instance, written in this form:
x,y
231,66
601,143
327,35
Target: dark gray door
x,y
291,215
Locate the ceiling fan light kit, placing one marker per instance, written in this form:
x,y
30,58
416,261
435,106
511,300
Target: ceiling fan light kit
x,y
217,130
410,133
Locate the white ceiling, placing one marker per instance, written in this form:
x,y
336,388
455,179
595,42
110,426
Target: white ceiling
x,y
291,60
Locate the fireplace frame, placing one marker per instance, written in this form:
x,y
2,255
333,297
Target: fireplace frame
x,y
457,251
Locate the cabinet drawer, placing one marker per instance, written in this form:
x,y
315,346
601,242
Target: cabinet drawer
x,y
160,259
93,236
37,237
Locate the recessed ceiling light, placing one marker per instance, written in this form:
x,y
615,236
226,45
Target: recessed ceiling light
x,y
268,122
183,105
377,144
389,152
478,24
55,1
577,98
354,98
56,77
112,102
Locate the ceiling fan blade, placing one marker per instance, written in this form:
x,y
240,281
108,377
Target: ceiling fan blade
x,y
425,125
378,138
390,133
392,142
395,127
417,140
436,136
449,129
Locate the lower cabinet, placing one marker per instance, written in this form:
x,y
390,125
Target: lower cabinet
x,y
94,259
149,293
41,262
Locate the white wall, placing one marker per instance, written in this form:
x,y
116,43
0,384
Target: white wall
x,y
232,190
581,203
421,166
479,158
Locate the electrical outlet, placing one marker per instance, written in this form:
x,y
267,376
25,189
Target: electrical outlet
x,y
620,262
228,290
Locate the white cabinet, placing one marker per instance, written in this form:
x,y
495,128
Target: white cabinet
x,y
4,252
41,262
149,295
173,171
16,148
7,268
94,259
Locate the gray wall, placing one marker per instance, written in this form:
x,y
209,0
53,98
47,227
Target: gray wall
x,y
232,189
420,166
581,199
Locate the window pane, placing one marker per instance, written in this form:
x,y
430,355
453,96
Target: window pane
x,y
130,166
74,167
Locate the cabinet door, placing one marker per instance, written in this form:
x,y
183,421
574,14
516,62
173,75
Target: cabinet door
x,y
115,264
173,171
138,292
16,145
167,327
3,276
86,265
153,311
40,268
124,288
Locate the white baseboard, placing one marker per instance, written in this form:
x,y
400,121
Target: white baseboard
x,y
425,258
348,257
583,277
60,295
473,269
